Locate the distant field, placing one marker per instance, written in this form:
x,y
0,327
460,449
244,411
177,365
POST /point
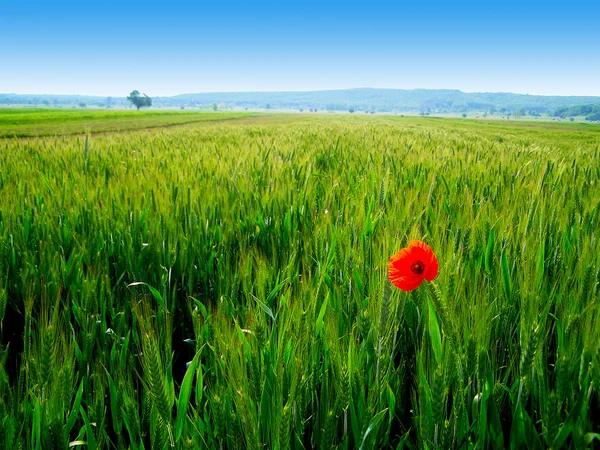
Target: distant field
x,y
28,122
53,122
224,285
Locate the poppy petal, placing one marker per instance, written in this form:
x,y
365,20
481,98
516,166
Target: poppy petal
x,y
401,266
420,244
423,250
431,270
402,260
406,283
410,283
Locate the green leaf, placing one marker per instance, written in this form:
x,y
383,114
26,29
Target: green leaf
x,y
434,333
184,396
391,402
523,433
353,417
589,437
153,291
124,350
569,424
36,429
265,308
266,401
493,415
373,427
132,436
359,284
199,383
114,403
91,439
320,323
489,251
75,410
201,307
506,283
539,269
287,354
274,293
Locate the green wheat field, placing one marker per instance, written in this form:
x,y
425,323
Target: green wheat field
x,y
223,284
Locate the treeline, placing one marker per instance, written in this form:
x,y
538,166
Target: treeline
x,y
591,112
364,100
58,101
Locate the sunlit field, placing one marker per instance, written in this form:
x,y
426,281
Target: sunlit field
x,y
53,122
225,285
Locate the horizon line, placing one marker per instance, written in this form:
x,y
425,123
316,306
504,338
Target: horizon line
x,y
306,91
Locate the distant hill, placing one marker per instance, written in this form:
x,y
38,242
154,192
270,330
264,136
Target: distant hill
x,y
385,100
365,99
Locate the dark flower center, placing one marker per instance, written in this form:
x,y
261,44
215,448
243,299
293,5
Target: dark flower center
x,y
417,268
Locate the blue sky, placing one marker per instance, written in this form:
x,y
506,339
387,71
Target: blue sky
x,y
174,47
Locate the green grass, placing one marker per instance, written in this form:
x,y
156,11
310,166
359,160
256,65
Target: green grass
x,y
257,252
53,122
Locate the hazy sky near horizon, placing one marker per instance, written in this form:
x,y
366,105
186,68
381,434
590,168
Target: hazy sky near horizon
x,y
168,48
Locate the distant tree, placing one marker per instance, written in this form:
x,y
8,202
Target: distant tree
x,y
139,100
215,107
268,106
590,111
351,110
464,115
82,104
108,101
595,116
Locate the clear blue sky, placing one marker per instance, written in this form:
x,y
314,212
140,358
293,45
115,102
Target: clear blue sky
x,y
173,47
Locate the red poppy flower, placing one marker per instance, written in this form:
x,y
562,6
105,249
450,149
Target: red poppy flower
x,y
410,266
